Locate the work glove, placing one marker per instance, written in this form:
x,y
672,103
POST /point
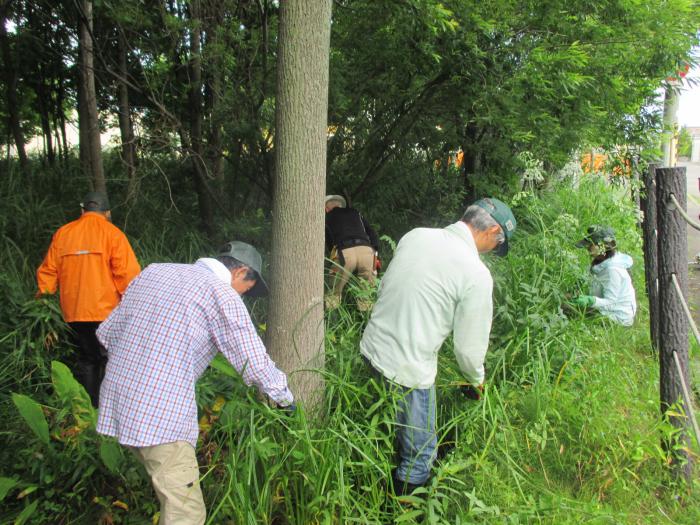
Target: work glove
x,y
584,300
472,392
289,409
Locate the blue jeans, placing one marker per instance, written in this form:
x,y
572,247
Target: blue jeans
x,y
417,440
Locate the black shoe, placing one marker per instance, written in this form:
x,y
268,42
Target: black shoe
x,y
404,488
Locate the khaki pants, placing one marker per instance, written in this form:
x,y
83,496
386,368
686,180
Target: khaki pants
x,y
175,477
359,260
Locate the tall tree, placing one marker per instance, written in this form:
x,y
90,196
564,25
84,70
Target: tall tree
x,y
89,120
126,126
295,326
10,80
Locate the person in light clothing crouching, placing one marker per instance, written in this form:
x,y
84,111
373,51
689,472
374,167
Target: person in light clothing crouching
x,y
435,285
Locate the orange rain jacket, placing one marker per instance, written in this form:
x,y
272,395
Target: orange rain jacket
x,y
92,263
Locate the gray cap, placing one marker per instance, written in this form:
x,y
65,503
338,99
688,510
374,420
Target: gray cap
x,y
95,201
249,256
503,215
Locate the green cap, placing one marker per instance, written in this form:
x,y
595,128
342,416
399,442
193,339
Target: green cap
x,y
95,201
249,256
503,215
597,234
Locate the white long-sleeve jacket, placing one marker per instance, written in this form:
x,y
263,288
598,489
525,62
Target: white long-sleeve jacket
x,y
611,285
435,284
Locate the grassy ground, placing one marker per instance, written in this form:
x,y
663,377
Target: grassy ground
x,y
568,431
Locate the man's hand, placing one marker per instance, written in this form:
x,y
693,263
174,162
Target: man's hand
x,y
585,301
473,392
377,262
289,409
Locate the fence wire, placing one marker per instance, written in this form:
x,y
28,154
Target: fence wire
x,y
683,213
686,309
686,397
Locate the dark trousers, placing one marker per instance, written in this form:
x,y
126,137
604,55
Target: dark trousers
x,y
90,358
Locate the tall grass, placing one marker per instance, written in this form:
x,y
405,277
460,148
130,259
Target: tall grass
x,y
568,430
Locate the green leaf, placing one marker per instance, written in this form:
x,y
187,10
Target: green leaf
x,y
26,513
31,411
111,455
6,485
408,516
73,394
222,365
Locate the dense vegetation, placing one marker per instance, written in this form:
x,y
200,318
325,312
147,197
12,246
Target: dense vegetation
x,y
568,431
431,103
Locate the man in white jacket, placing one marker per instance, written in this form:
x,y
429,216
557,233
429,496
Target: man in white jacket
x,y
435,285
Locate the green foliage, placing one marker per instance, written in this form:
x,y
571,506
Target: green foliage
x,y
32,414
685,143
567,432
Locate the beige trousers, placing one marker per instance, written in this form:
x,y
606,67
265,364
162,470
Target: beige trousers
x,y
359,260
175,477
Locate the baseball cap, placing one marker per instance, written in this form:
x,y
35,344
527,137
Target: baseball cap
x,y
503,215
597,234
249,256
95,201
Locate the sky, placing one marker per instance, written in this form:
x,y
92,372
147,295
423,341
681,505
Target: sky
x,y
689,103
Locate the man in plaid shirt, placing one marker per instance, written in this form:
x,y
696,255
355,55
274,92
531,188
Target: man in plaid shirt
x,y
171,322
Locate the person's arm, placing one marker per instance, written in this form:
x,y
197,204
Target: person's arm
x,y
612,284
47,273
236,338
472,326
123,263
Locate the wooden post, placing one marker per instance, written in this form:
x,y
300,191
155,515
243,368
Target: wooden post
x,y
673,323
651,262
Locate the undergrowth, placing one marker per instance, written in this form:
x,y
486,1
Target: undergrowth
x,y
568,430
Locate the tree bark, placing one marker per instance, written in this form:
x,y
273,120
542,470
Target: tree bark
x,y
673,323
651,254
295,327
10,78
89,122
199,168
126,127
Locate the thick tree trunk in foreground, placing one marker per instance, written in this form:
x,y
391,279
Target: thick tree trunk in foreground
x,y
89,122
673,323
295,327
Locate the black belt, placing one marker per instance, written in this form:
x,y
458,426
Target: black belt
x,y
349,243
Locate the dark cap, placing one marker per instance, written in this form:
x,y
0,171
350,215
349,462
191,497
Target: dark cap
x,y
503,215
597,234
249,256
95,201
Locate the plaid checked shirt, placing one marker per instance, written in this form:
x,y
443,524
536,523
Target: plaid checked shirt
x,y
171,322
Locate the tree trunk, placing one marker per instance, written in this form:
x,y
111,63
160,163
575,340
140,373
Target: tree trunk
x,y
215,88
295,326
89,122
673,323
651,253
199,168
10,79
44,102
126,127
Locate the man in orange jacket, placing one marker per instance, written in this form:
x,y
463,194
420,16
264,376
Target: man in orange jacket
x,y
91,261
